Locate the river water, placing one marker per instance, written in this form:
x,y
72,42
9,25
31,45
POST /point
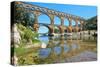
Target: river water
x,y
61,49
68,48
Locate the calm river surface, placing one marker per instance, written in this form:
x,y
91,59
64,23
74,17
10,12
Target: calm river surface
x,y
61,49
69,48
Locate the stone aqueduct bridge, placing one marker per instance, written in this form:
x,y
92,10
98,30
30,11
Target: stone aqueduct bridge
x,y
37,11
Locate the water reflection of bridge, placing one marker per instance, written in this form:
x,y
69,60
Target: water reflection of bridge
x,y
61,48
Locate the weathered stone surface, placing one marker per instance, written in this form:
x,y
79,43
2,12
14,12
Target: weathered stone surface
x,y
15,38
14,60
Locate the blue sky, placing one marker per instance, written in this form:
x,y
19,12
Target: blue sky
x,y
78,10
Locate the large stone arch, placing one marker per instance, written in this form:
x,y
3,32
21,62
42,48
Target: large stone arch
x,y
57,20
66,24
73,25
61,26
49,12
42,27
50,29
40,19
44,18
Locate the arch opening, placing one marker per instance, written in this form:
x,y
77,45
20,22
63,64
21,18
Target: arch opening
x,y
43,18
43,29
57,21
43,23
66,22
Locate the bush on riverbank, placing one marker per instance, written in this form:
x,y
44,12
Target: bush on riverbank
x,y
28,37
27,34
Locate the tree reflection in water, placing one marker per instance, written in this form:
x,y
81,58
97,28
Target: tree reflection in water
x,y
63,47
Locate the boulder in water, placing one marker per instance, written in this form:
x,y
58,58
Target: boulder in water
x,y
43,45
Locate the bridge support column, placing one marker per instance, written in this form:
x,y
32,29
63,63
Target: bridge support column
x,y
76,27
81,23
62,30
70,21
81,27
35,24
62,21
51,25
70,25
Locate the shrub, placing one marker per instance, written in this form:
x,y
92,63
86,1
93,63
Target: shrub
x,y
26,33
